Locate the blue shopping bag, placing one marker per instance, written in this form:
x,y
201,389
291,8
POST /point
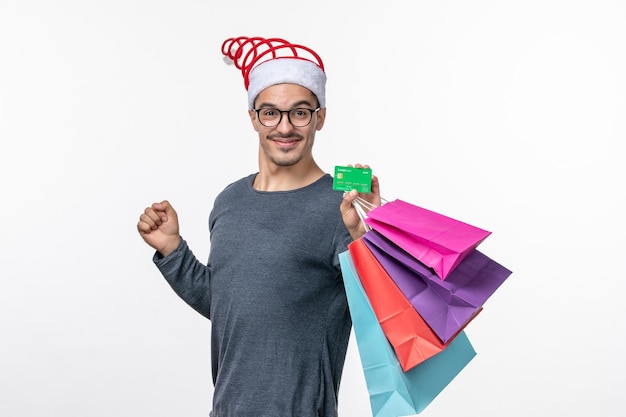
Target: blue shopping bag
x,y
392,391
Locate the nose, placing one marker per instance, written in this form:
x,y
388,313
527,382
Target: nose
x,y
284,125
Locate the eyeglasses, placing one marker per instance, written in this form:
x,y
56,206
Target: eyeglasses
x,y
299,117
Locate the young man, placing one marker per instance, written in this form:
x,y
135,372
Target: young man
x,y
272,286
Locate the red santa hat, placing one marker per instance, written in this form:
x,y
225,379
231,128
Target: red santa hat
x,y
266,62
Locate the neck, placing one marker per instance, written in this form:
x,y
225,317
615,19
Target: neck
x,y
286,178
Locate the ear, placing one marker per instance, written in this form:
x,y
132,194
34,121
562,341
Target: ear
x,y
252,115
321,117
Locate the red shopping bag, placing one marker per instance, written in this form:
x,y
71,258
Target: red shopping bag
x,y
438,241
412,339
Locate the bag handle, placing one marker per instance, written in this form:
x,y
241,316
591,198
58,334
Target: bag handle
x,y
362,207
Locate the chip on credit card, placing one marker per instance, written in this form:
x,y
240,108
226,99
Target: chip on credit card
x,y
350,178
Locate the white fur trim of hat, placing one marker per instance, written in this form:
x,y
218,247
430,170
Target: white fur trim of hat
x,y
287,71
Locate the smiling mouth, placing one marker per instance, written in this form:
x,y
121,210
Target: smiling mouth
x,y
285,141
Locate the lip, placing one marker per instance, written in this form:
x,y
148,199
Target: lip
x,y
286,142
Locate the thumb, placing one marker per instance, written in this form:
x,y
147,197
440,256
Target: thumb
x,y
348,199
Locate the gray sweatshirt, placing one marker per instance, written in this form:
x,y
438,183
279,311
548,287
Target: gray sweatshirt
x,y
273,291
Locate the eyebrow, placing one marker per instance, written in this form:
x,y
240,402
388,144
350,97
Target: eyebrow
x,y
295,105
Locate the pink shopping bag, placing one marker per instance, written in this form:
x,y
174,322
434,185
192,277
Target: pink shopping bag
x,y
440,242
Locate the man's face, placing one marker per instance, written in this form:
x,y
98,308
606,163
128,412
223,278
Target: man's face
x,y
284,144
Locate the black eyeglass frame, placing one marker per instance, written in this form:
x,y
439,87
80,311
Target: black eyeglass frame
x,y
280,119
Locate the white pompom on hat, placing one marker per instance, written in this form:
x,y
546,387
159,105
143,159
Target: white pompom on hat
x,y
266,62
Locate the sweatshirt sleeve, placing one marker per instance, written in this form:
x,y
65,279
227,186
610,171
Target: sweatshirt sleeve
x,y
188,277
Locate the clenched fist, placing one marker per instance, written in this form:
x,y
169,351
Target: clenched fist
x,y
158,226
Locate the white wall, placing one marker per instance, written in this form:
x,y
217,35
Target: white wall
x,y
507,115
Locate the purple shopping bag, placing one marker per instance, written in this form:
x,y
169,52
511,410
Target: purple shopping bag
x,y
438,241
445,305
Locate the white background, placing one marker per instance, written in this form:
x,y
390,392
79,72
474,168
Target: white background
x,y
507,115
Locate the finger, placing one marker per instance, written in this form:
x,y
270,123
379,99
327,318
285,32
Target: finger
x,y
375,185
154,215
151,219
348,199
143,227
165,209
374,195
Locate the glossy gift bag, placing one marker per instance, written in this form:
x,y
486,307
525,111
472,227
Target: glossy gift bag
x,y
438,241
392,391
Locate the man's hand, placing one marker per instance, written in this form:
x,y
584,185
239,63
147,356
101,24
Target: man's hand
x,y
158,226
348,212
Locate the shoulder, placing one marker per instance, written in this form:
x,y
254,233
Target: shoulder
x,y
236,188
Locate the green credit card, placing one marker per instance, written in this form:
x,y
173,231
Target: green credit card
x,y
350,178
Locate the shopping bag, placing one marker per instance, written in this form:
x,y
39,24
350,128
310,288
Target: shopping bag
x,y
446,305
438,241
411,337
393,392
